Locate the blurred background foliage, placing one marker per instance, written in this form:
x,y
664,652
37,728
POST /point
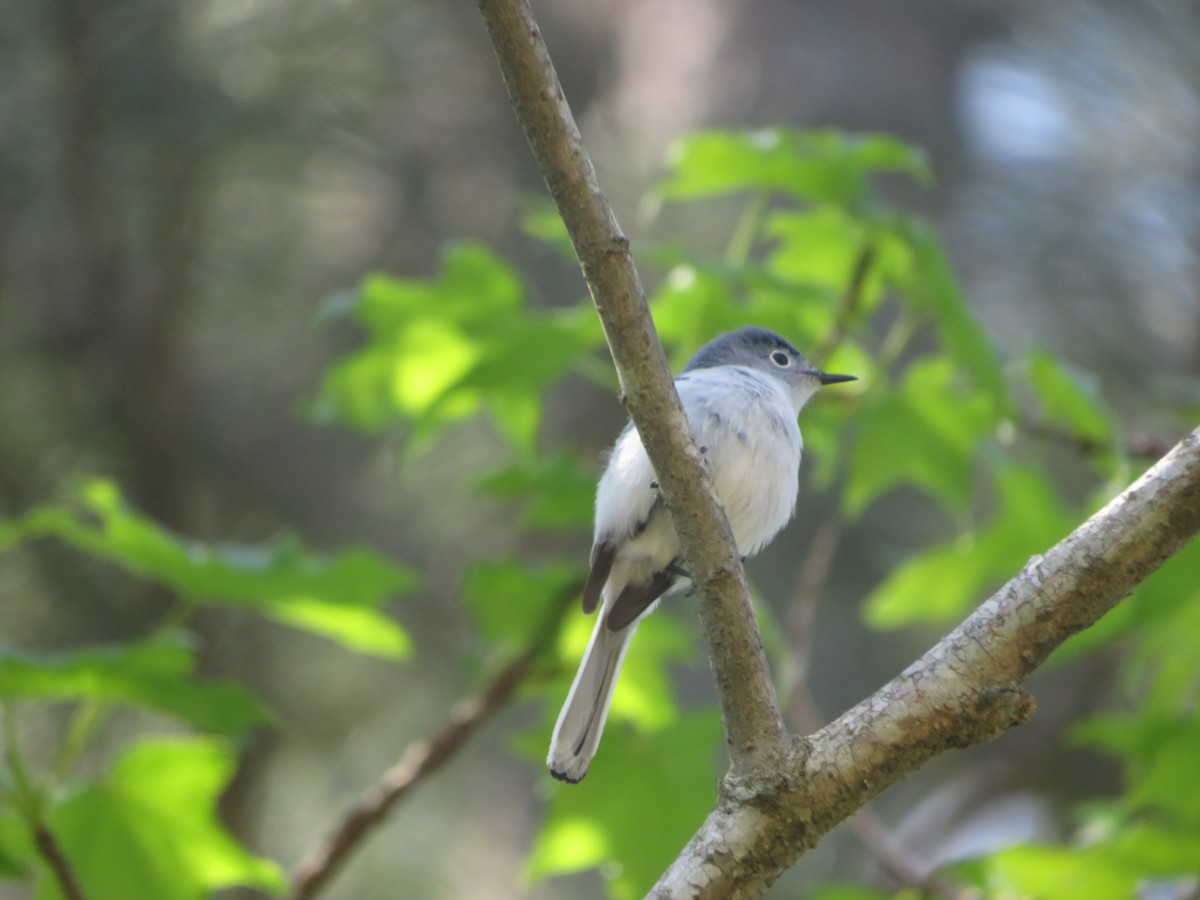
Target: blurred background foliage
x,y
264,516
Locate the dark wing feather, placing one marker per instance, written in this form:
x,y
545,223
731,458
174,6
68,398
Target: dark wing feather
x,y
602,561
636,597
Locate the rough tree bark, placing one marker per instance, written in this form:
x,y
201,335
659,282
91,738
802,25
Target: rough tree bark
x,y
782,793
754,726
964,690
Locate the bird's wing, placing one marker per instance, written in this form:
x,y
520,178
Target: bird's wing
x,y
635,598
628,492
603,553
628,500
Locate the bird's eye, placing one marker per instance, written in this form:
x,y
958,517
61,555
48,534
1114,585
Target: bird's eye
x,y
781,359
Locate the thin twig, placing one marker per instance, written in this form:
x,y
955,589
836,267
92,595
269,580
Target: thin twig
x,y
52,853
1144,446
810,586
418,762
848,305
28,797
895,858
423,758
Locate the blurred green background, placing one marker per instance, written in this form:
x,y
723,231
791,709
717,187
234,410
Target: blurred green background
x,y
184,186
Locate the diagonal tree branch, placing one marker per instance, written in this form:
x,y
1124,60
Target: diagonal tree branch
x,y
27,799
423,758
753,725
885,848
50,851
779,800
420,760
964,690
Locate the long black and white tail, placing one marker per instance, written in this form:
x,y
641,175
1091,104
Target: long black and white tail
x,y
581,722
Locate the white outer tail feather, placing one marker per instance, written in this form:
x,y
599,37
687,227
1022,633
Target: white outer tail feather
x,y
581,722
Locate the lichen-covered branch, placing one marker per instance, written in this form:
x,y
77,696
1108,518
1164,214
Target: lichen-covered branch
x,y
753,725
964,690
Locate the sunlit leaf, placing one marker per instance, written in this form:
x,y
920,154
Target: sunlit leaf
x,y
1156,851
149,829
1165,610
609,820
821,166
826,246
439,350
933,289
692,304
925,433
475,284
1157,779
698,301
644,695
939,584
1058,872
517,359
1119,859
850,892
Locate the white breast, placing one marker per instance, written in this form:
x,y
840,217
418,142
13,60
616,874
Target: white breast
x,y
745,425
747,422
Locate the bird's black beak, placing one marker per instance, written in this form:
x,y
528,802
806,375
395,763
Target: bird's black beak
x,y
827,378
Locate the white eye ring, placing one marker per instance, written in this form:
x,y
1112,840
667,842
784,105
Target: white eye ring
x,y
781,359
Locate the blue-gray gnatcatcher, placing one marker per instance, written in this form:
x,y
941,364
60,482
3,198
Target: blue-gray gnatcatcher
x,y
742,392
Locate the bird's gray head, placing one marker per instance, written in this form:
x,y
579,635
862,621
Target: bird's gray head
x,y
757,348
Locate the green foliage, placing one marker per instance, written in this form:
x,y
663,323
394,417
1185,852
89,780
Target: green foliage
x,y
439,351
512,601
149,828
555,492
1163,613
819,166
157,674
855,892
607,816
818,256
1151,830
337,597
651,748
941,583
644,697
1069,399
925,432
933,290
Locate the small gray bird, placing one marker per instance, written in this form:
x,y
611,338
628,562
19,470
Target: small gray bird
x,y
742,392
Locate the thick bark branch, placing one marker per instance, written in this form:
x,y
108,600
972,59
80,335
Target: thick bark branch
x,y
753,725
965,690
